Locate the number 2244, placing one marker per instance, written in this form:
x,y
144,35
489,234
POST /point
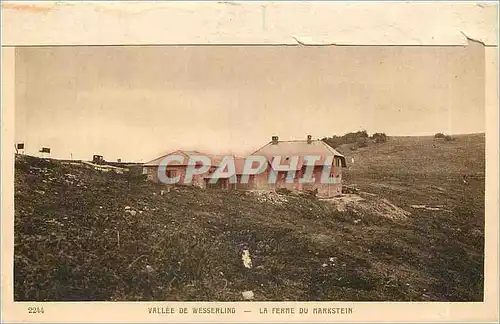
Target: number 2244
x,y
35,310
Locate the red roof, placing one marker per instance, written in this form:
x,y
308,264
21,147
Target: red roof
x,y
186,155
302,148
239,164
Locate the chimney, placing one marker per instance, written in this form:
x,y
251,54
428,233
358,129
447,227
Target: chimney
x,y
309,139
274,140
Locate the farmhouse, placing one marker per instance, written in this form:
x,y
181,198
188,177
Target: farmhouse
x,y
204,180
287,150
224,182
292,156
177,168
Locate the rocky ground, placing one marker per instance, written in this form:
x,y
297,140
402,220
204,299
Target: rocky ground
x,y
85,235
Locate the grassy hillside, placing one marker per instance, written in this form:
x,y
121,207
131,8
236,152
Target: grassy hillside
x,y
423,155
422,170
76,237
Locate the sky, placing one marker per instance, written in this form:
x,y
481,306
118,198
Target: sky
x,y
137,103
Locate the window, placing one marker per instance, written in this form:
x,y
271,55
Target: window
x,y
171,173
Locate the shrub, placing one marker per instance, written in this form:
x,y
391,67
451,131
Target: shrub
x,y
334,141
354,137
439,135
448,138
349,138
379,137
362,142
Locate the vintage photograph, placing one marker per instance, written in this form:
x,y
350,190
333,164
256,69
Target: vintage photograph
x,y
249,173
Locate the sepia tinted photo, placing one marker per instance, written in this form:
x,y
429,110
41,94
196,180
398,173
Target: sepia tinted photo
x,y
391,209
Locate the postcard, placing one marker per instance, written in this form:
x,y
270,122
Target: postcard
x,y
249,162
